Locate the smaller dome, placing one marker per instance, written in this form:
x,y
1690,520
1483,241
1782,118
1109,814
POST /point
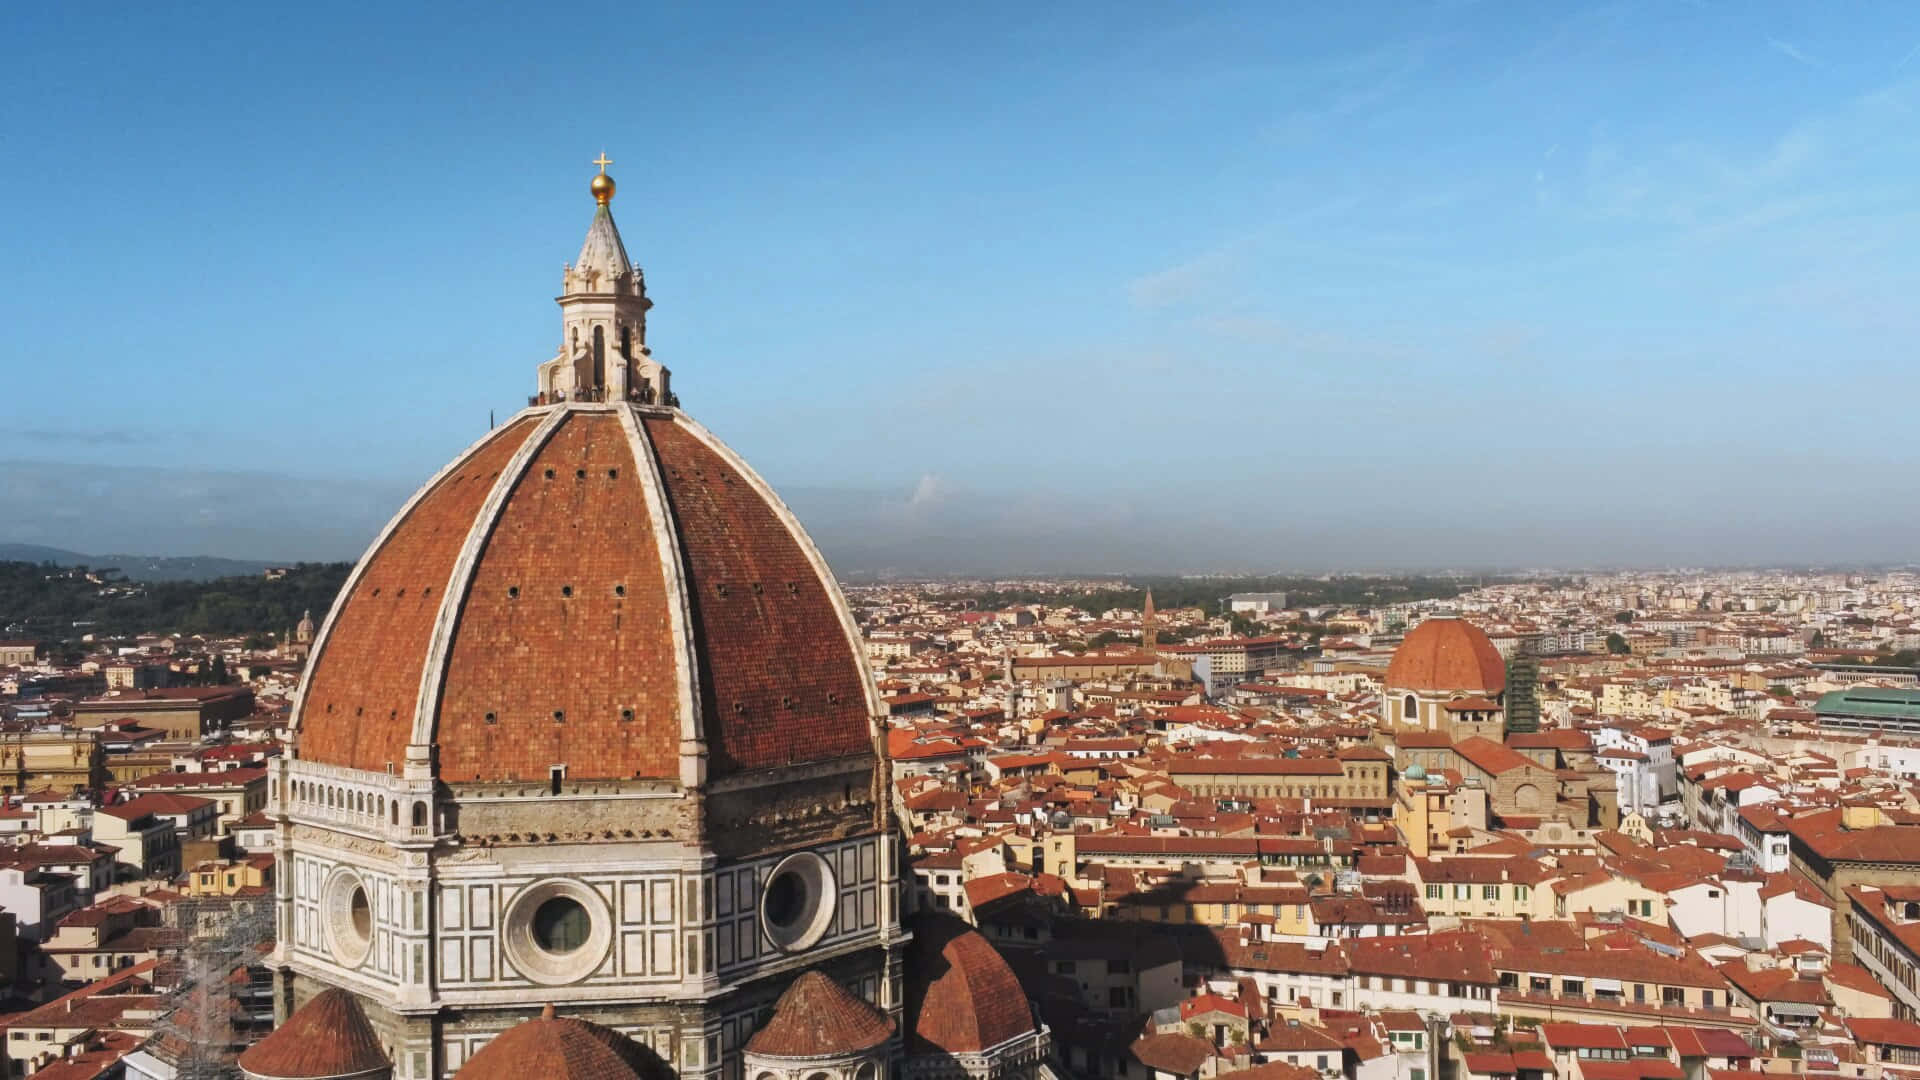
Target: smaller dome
x,y
817,1017
1416,771
1447,653
973,1002
327,1037
563,1048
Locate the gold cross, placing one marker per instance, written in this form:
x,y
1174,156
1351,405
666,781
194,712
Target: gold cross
x,y
603,161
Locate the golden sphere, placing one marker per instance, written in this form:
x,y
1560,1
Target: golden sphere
x,y
602,189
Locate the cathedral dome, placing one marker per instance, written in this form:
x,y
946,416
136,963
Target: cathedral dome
x,y
1446,654
591,723
594,585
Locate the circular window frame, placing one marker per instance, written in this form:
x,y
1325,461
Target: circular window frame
x,y
350,948
549,968
819,906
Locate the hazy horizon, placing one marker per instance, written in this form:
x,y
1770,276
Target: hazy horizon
x,y
933,530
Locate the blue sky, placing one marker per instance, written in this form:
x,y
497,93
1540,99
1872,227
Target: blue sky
x,y
1250,285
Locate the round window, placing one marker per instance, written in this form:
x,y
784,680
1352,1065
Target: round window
x,y
557,931
361,912
561,925
797,907
347,914
786,899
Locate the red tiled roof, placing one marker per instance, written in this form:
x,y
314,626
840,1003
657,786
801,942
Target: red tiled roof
x,y
1492,756
1174,1053
158,802
781,681
1904,1033
167,781
1583,1037
973,1003
547,576
1206,1003
363,684
560,647
817,1017
564,1048
328,1036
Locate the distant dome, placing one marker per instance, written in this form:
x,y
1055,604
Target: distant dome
x,y
1416,771
1447,653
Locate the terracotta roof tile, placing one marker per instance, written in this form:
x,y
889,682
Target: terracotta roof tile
x,y
779,680
328,1036
561,1048
364,684
971,1000
817,1017
564,651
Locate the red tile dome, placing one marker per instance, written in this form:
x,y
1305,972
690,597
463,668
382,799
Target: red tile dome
x,y
1447,654
563,1048
965,998
589,584
817,1017
327,1037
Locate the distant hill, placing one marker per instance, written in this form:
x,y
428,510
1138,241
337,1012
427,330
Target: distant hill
x,y
63,604
138,567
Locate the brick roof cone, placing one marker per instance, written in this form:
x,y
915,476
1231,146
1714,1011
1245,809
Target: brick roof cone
x,y
963,997
562,1048
327,1037
817,1017
1447,653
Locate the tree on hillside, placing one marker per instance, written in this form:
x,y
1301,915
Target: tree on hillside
x,y
1617,645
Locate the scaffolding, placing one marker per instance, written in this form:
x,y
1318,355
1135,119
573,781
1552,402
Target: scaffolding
x,y
223,998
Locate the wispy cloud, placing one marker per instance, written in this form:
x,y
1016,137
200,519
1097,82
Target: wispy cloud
x,y
926,492
84,436
1792,52
1183,282
1358,84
